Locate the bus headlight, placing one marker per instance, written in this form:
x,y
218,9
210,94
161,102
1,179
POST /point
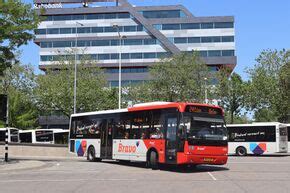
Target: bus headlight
x,y
191,147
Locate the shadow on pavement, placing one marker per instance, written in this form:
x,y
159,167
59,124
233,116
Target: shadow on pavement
x,y
268,155
172,168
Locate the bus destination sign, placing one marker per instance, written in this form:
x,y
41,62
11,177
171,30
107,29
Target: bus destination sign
x,y
203,109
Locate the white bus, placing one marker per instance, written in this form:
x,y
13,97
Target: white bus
x,y
257,138
13,135
44,136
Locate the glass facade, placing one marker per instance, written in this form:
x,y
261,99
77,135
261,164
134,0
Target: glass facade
x,y
133,28
182,26
126,82
111,56
128,70
87,16
163,14
150,55
130,42
209,39
90,43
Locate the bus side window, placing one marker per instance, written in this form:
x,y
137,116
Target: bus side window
x,y
157,130
122,127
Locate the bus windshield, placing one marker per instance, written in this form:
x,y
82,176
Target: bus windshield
x,y
203,128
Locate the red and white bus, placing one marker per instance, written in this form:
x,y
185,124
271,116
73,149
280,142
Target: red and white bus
x,y
157,132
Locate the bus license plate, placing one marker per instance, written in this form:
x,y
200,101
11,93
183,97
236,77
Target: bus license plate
x,y
208,159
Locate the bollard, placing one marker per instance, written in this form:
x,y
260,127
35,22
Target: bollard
x,y
6,145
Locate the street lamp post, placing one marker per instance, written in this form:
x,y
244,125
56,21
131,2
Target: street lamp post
x,y
75,75
120,63
205,92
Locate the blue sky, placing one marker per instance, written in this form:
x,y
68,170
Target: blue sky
x,y
259,24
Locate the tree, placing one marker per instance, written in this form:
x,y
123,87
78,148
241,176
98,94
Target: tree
x,y
269,91
54,90
231,93
17,20
180,78
18,83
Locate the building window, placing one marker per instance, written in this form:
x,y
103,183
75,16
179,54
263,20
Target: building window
x,y
162,55
78,17
46,44
103,56
180,40
40,31
83,43
60,44
133,28
136,56
123,15
170,26
149,41
140,28
190,26
227,38
206,39
97,29
163,14
206,25
110,29
53,31
157,26
110,16
132,42
61,17
65,30
223,25
130,28
203,53
84,30
114,56
95,16
214,53
228,52
216,39
195,26
150,55
115,42
125,56
101,43
194,40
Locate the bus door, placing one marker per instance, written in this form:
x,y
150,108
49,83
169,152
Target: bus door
x,y
106,140
171,139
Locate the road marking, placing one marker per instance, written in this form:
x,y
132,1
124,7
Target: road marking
x,y
66,180
258,162
210,174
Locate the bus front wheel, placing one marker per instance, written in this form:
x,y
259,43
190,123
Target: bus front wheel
x,y
241,151
91,154
153,160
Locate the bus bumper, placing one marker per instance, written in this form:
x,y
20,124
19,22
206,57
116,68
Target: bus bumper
x,y
201,159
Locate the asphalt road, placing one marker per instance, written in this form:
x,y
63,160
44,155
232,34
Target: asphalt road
x,y
241,174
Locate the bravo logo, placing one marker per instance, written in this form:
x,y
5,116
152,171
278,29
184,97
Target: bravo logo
x,y
126,148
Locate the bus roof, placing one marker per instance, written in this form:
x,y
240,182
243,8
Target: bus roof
x,y
147,106
3,129
54,130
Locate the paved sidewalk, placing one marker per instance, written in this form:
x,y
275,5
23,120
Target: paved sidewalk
x,y
13,165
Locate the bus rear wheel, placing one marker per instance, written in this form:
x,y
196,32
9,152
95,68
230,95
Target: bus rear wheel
x,y
153,160
241,151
